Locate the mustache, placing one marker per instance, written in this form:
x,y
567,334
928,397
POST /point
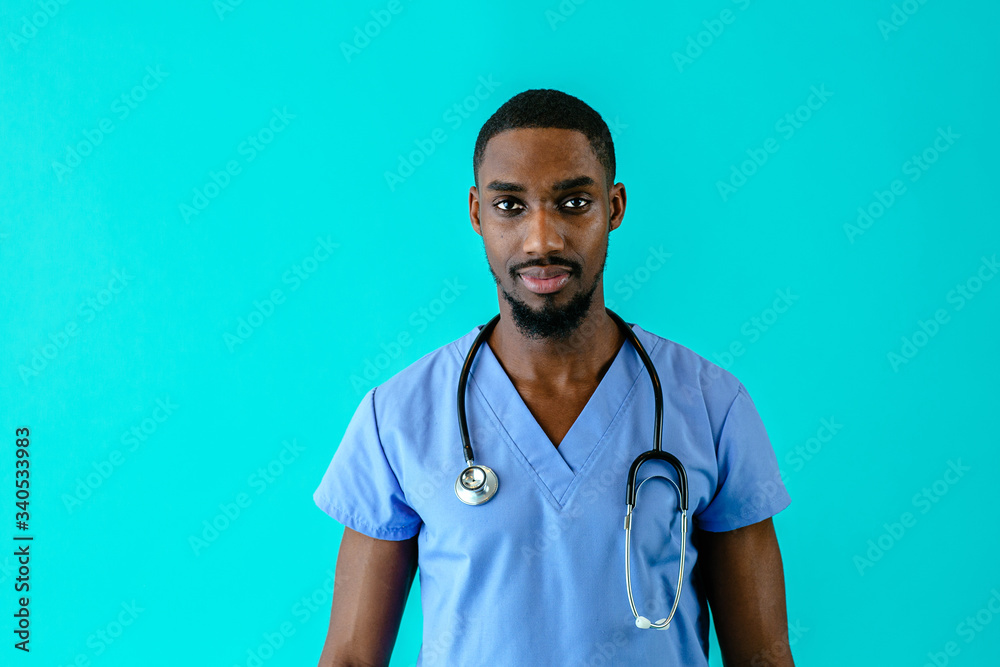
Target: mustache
x,y
574,267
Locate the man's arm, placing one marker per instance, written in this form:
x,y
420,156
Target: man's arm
x,y
745,586
371,584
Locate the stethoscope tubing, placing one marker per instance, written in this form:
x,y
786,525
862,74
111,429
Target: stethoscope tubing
x,y
488,484
463,379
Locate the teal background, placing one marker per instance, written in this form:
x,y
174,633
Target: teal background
x,y
679,128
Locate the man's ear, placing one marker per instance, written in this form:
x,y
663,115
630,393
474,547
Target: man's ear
x,y
616,205
474,210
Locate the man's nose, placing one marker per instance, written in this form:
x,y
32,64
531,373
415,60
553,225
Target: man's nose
x,y
543,233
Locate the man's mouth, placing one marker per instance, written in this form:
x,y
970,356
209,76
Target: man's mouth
x,y
545,279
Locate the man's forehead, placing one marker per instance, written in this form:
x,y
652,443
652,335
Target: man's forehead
x,y
556,153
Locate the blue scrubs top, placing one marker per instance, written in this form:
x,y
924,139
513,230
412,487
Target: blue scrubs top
x,y
536,576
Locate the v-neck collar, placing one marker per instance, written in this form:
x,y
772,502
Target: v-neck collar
x,y
556,468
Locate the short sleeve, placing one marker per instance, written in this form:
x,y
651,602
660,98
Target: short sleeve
x,y
359,488
749,487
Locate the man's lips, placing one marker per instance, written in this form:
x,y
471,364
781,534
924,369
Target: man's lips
x,y
545,279
544,271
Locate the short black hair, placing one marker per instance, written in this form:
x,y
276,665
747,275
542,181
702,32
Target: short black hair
x,y
545,107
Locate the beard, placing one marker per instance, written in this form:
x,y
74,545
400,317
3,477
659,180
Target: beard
x,y
550,321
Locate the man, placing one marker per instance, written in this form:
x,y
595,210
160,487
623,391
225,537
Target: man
x,y
559,404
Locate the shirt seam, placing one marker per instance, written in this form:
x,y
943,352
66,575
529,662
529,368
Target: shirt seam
x,y
358,520
756,517
717,444
378,439
729,411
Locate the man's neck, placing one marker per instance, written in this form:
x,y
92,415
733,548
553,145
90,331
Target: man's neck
x,y
578,360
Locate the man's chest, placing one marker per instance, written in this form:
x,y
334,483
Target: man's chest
x,y
555,410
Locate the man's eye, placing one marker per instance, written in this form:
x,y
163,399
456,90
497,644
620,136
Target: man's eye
x,y
583,202
500,204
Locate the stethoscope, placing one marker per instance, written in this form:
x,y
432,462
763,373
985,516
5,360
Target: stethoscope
x,y
476,484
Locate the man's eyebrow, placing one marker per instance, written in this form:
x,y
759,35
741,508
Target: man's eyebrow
x,y
575,182
505,186
568,184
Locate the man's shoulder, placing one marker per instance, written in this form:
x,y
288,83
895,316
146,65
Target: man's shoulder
x,y
428,376
684,367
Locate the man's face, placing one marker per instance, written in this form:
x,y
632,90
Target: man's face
x,y
545,215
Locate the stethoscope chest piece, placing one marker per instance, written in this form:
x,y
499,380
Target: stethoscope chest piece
x,y
476,484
